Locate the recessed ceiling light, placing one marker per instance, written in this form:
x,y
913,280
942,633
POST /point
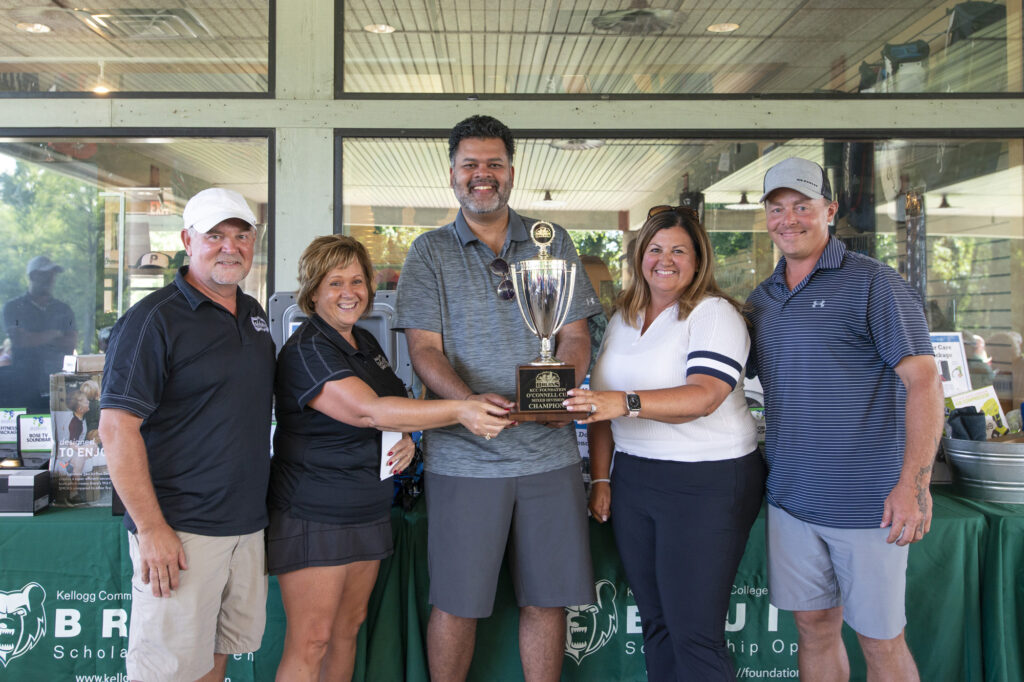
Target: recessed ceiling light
x,y
379,28
28,27
725,27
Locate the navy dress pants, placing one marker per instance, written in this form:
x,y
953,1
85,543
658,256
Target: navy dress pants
x,y
681,529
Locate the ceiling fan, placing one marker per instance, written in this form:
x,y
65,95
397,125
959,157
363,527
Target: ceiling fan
x,y
639,18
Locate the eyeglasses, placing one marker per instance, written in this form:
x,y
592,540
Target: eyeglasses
x,y
506,291
685,210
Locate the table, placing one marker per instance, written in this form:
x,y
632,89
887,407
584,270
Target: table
x,y
1002,595
965,600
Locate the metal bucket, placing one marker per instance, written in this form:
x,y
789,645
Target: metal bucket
x,y
987,470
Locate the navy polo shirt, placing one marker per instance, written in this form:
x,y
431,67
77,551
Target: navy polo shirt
x,y
323,469
834,406
202,381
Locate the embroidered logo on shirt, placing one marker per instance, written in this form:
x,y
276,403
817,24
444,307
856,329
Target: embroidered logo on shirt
x,y
381,361
259,324
818,303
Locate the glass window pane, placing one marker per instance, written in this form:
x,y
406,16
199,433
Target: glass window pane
x,y
91,225
674,48
211,46
946,213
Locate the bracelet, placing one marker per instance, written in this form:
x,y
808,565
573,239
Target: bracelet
x,y
601,480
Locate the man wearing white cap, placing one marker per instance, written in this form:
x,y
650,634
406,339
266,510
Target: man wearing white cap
x,y
42,331
186,427
853,405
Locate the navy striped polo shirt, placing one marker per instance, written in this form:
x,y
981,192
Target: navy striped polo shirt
x,y
834,406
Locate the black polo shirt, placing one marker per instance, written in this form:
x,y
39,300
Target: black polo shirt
x,y
202,380
33,365
326,470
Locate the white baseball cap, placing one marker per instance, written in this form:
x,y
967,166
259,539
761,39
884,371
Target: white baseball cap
x,y
800,175
209,208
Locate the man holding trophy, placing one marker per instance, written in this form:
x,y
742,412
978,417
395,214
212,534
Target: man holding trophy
x,y
470,296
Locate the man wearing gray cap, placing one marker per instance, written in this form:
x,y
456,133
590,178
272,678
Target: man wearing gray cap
x,y
853,409
186,427
42,332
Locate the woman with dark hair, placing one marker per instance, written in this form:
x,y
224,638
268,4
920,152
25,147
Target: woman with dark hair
x,y
330,512
667,399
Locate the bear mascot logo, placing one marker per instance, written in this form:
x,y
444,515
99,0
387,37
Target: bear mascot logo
x,y
590,627
22,621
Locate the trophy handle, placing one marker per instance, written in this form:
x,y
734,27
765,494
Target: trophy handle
x,y
519,298
568,298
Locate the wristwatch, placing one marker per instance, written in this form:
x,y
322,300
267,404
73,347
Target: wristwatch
x,y
632,404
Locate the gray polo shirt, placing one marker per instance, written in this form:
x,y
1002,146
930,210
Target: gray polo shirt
x,y
447,287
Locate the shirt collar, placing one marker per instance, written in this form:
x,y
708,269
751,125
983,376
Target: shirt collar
x,y
516,229
196,298
830,259
334,337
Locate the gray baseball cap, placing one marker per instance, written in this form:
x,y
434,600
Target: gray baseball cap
x,y
800,175
42,264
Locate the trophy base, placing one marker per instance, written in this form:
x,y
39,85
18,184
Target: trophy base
x,y
540,390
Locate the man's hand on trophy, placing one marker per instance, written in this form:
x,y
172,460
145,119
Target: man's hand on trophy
x,y
483,418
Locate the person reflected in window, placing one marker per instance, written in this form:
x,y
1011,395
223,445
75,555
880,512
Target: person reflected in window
x,y
668,400
42,331
979,363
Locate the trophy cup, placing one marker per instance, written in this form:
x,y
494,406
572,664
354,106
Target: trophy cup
x,y
544,288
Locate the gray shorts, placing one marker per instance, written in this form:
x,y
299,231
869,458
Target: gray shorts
x,y
541,518
812,567
219,607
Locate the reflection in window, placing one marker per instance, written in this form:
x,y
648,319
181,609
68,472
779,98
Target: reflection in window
x,y
89,227
182,47
947,214
635,47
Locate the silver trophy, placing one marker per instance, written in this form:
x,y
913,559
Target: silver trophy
x,y
544,288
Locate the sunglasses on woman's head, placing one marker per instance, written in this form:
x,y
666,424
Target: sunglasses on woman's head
x,y
685,210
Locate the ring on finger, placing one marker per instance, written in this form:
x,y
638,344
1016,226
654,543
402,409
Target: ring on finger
x,y
487,436
593,408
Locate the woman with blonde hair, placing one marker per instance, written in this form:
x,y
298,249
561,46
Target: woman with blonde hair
x,y
668,401
330,518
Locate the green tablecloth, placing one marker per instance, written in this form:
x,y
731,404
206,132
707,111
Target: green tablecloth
x,y
965,600
1002,588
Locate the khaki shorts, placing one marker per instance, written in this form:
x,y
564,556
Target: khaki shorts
x,y
219,607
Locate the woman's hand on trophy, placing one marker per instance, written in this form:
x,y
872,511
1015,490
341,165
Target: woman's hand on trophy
x,y
483,417
600,405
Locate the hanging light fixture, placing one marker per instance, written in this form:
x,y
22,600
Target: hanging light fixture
x,y
743,205
548,202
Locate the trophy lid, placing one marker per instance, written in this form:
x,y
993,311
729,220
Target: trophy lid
x,y
542,233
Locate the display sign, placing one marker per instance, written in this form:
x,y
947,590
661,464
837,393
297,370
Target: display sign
x,y
952,362
9,425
